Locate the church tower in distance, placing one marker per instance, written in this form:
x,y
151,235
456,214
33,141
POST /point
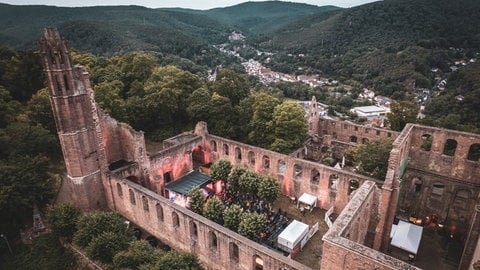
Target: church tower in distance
x,y
76,119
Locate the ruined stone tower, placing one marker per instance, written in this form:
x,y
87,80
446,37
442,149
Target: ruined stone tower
x,y
75,115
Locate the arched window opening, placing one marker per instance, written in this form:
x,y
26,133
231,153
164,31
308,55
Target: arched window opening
x,y
233,251
266,162
474,152
353,139
65,81
450,147
59,86
132,196
238,154
225,150
193,230
251,158
167,177
281,167
159,209
297,171
258,263
213,243
461,199
426,142
352,186
364,140
175,220
52,57
438,189
315,177
119,190
416,184
145,204
333,182
214,146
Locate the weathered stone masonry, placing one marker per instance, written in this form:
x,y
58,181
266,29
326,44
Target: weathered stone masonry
x,y
108,167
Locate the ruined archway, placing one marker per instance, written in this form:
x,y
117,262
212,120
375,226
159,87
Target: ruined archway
x,y
198,157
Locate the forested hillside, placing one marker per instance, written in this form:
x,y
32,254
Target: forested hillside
x,y
392,24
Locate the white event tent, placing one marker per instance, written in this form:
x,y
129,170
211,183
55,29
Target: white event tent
x,y
292,235
406,236
309,200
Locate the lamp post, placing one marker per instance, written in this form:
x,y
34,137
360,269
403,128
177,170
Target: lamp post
x,y
8,244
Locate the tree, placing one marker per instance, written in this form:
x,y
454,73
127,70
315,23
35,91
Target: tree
x,y
22,139
94,224
221,116
248,182
63,219
174,260
234,177
232,217
197,200
402,113
23,182
138,252
199,105
231,84
252,225
108,96
268,189
213,209
8,107
290,127
262,129
371,158
39,110
220,170
104,246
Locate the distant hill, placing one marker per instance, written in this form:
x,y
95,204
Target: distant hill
x,y
110,29
107,30
264,17
388,23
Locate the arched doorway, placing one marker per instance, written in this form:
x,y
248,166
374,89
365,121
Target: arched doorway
x,y
198,157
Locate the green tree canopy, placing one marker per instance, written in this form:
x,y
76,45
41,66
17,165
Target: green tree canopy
x,y
104,246
39,110
175,261
231,84
252,225
232,217
402,113
248,182
234,177
197,200
23,182
138,252
268,189
220,170
290,127
262,126
63,219
94,224
371,158
213,209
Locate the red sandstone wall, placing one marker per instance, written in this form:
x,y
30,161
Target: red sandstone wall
x,y
291,184
145,213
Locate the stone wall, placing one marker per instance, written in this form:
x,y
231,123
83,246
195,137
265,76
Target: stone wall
x,y
296,176
216,246
344,244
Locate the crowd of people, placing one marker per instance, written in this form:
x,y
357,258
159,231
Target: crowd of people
x,y
276,221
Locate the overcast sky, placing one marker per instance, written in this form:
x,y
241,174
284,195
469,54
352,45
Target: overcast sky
x,y
194,4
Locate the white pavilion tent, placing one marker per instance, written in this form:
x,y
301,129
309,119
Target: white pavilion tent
x,y
309,200
406,236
